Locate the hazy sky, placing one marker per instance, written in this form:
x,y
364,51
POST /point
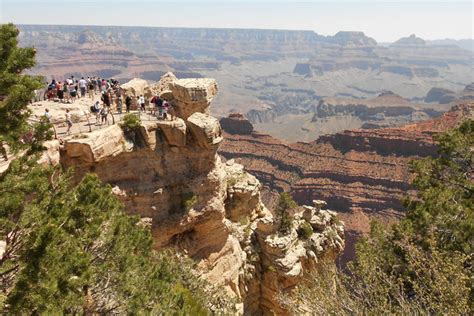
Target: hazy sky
x,y
382,20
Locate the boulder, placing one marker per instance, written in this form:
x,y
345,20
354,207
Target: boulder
x,y
236,123
205,130
192,95
98,145
174,132
164,83
137,87
50,156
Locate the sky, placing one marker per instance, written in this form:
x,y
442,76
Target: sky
x,y
385,21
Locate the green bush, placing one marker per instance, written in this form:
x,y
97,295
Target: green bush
x,y
188,201
305,231
130,122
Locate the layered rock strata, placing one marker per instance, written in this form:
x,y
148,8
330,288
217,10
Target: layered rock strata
x,y
169,171
360,173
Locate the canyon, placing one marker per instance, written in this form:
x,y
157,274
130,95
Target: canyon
x,y
169,173
363,174
276,78
325,118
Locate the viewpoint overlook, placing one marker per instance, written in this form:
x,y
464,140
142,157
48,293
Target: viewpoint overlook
x,y
202,171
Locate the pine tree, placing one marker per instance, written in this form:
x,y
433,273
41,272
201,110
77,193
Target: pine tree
x,y
73,249
16,88
284,206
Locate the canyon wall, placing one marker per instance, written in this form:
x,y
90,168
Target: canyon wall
x,y
362,174
169,172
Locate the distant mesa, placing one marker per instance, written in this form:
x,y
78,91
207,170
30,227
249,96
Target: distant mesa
x,y
412,40
445,96
346,38
440,95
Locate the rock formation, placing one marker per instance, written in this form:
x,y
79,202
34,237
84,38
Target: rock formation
x,y
236,123
345,38
169,171
386,110
137,87
442,95
410,41
362,174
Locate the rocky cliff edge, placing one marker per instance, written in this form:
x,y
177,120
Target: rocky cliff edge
x,y
170,172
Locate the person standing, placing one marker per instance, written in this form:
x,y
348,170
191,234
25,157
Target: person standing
x,y
159,106
104,112
94,84
66,92
72,92
60,91
96,110
99,84
47,115
83,87
68,122
118,99
128,103
106,99
165,107
90,88
142,103
103,85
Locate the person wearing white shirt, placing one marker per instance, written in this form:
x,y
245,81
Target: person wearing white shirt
x,y
83,87
141,100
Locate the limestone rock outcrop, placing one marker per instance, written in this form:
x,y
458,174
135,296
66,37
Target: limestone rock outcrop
x,y
169,172
205,130
314,234
137,87
192,95
163,84
50,155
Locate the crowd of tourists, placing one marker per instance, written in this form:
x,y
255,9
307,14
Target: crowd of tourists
x,y
71,88
111,100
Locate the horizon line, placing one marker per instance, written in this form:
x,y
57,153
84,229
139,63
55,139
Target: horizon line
x,y
234,28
